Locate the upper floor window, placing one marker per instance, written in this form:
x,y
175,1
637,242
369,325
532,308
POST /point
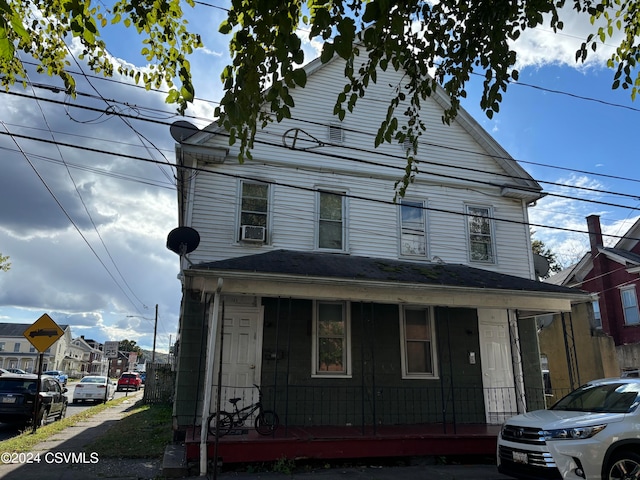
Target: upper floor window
x,y
331,220
2,346
413,228
480,229
16,347
597,317
418,345
254,211
331,345
630,305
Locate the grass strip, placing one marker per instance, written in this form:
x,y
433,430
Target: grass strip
x,y
143,433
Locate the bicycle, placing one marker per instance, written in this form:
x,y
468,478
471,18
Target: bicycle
x,y
266,421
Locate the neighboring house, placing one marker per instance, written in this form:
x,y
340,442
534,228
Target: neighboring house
x,y
573,351
352,312
17,352
612,275
119,364
87,358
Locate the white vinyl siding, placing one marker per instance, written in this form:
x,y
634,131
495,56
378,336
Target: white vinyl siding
x,y
331,349
371,218
630,305
417,342
413,228
480,230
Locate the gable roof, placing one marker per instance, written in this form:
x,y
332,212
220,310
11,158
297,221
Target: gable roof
x,y
309,265
18,329
519,184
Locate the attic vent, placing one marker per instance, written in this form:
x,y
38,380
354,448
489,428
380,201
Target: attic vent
x,y
252,233
336,133
407,146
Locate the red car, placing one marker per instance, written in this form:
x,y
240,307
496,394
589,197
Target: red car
x,y
129,381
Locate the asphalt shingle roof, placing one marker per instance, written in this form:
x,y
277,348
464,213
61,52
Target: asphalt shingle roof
x,y
326,265
17,329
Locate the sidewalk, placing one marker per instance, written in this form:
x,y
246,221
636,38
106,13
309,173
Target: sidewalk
x,y
63,457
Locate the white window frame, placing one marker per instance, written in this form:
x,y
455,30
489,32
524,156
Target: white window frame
x,y
16,347
346,315
492,234
267,225
597,313
626,309
343,195
423,205
406,374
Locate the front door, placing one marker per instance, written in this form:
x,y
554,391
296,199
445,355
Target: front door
x,y
497,366
241,359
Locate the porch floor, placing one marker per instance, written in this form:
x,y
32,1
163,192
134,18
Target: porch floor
x,y
347,442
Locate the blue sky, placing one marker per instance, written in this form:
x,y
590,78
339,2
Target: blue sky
x,y
110,294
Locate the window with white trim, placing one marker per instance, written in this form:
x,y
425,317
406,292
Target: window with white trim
x,y
254,211
331,220
480,229
597,317
16,347
331,349
413,228
418,345
630,305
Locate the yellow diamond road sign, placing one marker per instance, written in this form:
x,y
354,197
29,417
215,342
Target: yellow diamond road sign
x,y
43,333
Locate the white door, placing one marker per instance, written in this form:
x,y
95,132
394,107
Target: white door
x,y
497,366
241,359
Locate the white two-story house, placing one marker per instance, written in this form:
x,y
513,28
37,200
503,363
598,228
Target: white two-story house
x,y
349,309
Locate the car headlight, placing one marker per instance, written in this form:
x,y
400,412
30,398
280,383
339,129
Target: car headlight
x,y
577,433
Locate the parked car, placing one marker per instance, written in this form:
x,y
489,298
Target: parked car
x,y
18,394
94,388
129,381
591,434
17,371
59,375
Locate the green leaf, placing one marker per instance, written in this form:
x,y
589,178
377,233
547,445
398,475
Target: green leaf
x,y
327,52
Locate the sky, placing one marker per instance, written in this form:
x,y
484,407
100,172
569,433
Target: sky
x,y
86,203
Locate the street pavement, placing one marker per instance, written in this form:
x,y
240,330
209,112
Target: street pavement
x,y
65,457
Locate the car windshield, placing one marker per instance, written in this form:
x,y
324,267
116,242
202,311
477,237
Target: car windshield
x,y
51,373
93,380
607,398
17,385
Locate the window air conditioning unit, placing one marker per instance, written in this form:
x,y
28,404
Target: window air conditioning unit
x,y
252,233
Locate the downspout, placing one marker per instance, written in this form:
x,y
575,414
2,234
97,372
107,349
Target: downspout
x,y
209,367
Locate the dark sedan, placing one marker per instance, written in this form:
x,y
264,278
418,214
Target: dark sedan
x,y
18,395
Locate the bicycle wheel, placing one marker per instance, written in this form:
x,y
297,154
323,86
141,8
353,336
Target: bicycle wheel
x,y
267,422
224,425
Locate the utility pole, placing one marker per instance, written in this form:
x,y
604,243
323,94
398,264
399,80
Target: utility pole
x,y
155,331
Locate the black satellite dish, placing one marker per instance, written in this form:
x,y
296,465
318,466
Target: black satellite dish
x,y
183,240
181,130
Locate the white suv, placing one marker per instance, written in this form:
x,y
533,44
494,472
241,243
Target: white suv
x,y
591,434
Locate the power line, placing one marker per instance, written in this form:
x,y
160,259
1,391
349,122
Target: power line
x,y
298,187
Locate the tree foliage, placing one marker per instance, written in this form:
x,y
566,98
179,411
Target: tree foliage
x,y
4,263
42,29
434,43
129,346
538,247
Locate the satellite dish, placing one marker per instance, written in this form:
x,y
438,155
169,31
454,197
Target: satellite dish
x,y
181,130
183,240
540,265
543,321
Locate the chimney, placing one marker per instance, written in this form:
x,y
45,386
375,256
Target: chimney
x,y
595,233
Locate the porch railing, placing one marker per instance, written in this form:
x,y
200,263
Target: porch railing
x,y
366,406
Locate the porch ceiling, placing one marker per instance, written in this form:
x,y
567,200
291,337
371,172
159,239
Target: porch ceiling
x,y
345,277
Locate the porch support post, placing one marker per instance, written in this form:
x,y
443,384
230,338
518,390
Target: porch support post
x,y
209,367
516,360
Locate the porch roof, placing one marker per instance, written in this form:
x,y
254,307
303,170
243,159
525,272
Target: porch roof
x,y
287,272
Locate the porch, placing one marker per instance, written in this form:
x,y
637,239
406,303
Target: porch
x,y
329,422
318,443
